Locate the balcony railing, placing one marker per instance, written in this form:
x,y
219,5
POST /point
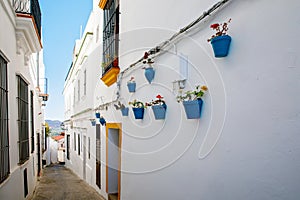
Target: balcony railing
x,y
31,7
44,93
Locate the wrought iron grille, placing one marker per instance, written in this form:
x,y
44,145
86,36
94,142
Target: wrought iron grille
x,y
31,7
32,121
110,36
23,120
4,143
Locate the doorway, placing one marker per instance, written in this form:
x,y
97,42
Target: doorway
x,y
39,164
113,159
98,155
84,158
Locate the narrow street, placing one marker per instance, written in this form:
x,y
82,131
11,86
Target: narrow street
x,y
58,182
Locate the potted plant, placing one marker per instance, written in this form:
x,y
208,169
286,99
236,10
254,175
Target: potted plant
x,y
149,71
131,84
220,41
138,108
93,122
102,121
192,101
123,109
159,107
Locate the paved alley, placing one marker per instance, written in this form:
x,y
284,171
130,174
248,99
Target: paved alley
x,y
60,183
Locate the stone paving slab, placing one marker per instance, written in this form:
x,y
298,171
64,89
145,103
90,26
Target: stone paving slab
x,y
60,183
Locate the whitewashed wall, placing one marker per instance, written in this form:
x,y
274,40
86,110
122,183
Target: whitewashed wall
x,y
80,112
245,144
250,112
12,187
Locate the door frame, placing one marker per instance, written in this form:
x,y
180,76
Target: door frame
x,y
119,127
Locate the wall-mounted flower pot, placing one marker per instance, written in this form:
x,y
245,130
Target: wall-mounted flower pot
x,y
149,74
159,111
93,123
138,113
102,121
221,45
125,111
97,115
193,108
131,87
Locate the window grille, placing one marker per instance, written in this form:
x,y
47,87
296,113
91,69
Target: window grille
x,y
4,142
110,36
23,120
32,121
78,144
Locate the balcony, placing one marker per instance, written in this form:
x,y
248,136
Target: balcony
x,y
28,25
44,91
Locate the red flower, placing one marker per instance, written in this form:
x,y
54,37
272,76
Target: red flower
x,y
159,97
116,62
146,55
214,26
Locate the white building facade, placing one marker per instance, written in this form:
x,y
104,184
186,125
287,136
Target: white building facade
x,y
23,95
244,145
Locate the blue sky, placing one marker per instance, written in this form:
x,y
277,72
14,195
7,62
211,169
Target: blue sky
x,y
61,21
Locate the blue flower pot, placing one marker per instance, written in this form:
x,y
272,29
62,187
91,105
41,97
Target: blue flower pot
x,y
159,111
193,108
149,74
221,45
102,121
97,115
125,111
93,123
138,113
131,87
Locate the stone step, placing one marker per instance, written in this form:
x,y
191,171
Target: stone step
x,y
113,197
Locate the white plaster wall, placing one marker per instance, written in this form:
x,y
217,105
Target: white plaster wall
x,y
255,157
12,187
245,144
81,112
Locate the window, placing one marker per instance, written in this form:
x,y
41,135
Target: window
x,y
79,144
23,120
74,141
78,90
110,36
68,147
89,148
74,97
84,82
4,144
97,34
32,121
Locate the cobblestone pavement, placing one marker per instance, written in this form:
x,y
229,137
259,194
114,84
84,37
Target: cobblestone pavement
x,y
60,183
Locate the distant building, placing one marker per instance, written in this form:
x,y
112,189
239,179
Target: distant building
x,y
23,93
244,145
60,139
